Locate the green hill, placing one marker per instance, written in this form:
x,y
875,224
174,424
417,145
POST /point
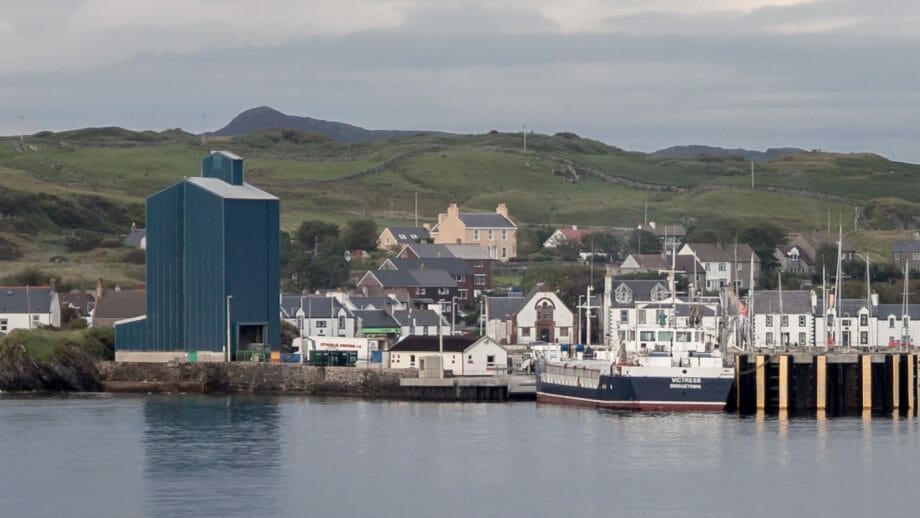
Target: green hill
x,y
90,185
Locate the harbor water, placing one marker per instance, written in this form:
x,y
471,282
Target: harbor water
x,y
193,455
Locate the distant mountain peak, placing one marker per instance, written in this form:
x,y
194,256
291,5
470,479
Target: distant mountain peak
x,y
695,151
266,117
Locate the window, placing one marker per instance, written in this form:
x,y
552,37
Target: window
x,y
504,235
647,336
4,323
863,320
525,331
624,316
641,316
462,294
504,252
342,322
477,263
659,292
769,338
769,320
490,360
563,331
707,266
801,320
802,339
475,235
320,324
443,291
863,338
845,322
721,267
491,237
623,295
419,291
545,312
830,319
784,321
461,278
479,279
740,266
412,360
891,322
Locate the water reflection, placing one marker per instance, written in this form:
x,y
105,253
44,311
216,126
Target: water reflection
x,y
211,456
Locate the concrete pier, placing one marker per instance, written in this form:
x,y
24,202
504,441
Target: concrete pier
x,y
838,383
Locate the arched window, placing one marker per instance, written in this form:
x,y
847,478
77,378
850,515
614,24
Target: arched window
x,y
545,310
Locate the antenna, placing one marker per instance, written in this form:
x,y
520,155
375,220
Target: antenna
x,y
202,129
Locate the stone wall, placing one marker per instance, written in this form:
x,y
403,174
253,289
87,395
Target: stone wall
x,y
253,378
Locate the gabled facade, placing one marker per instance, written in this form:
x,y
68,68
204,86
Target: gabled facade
x,y
784,321
906,252
571,234
725,265
434,285
792,260
459,269
212,269
809,243
421,322
495,232
392,238
536,316
315,315
473,255
28,307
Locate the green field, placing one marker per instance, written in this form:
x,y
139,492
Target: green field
x,y
558,181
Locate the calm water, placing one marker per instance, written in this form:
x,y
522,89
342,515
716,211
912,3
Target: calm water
x,y
102,455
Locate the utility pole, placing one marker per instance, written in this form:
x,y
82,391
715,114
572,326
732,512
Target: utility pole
x,y
22,131
416,209
525,138
752,174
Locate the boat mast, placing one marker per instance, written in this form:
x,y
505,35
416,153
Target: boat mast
x,y
837,293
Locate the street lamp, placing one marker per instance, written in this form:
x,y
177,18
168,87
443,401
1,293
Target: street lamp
x,y
453,306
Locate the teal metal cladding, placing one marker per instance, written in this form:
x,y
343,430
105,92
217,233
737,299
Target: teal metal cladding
x,y
207,240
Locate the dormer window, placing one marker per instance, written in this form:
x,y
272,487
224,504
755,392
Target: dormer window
x,y
659,292
623,295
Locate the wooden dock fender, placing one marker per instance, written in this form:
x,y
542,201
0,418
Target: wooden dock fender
x,y
865,360
761,379
895,379
784,382
821,383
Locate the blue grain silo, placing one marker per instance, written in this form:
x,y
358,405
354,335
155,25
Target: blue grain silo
x,y
212,253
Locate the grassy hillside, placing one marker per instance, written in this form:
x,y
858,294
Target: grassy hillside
x,y
56,187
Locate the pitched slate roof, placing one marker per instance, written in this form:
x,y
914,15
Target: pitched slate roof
x,y
641,290
82,301
314,306
906,245
849,308
913,311
121,304
465,251
504,307
134,237
485,220
418,343
409,234
794,302
451,265
375,302
668,230
712,252
422,317
375,318
22,299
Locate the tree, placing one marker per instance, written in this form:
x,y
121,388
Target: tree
x,y
764,238
530,238
313,234
643,242
360,234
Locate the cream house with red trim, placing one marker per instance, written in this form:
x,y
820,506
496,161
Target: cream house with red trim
x,y
493,231
538,316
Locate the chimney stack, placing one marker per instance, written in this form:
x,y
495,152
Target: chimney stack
x,y
99,289
502,209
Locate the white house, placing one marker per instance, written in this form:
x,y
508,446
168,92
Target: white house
x,y
866,325
462,355
315,315
724,264
28,307
537,316
786,321
421,322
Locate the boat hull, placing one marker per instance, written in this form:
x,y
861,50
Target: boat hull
x,y
655,393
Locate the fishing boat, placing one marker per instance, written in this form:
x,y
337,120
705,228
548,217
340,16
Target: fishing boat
x,y
664,366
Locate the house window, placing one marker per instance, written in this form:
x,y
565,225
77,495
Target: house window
x,y
863,338
845,322
525,331
479,279
544,312
624,316
891,322
462,294
659,292
4,323
769,338
411,360
504,235
830,319
477,263
419,291
801,320
475,235
641,316
461,278
707,266
801,338
863,320
342,322
784,321
504,252
563,331
320,324
490,360
769,320
721,267
740,266
491,237
443,291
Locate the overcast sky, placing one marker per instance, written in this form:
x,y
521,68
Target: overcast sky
x,y
840,75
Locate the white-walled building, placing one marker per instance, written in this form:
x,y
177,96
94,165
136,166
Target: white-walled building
x,y
789,321
724,263
421,322
316,315
536,316
462,355
28,307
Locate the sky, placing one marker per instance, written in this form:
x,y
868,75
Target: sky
x,y
838,75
